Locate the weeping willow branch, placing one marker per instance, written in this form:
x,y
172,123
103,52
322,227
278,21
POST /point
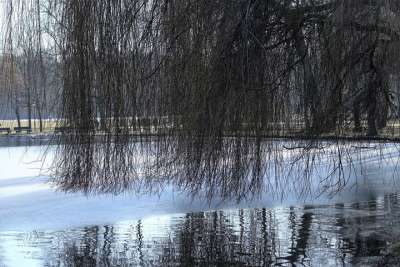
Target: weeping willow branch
x,y
187,91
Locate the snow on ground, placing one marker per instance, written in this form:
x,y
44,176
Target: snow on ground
x,y
28,202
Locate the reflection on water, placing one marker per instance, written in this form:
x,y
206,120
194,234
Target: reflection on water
x,y
331,235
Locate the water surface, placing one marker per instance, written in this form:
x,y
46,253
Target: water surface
x,y
41,226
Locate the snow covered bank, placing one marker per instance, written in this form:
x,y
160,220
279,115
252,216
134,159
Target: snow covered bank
x,y
29,202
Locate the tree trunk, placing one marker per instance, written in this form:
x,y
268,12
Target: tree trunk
x,y
371,100
329,119
17,114
29,106
382,113
39,112
383,101
310,93
357,117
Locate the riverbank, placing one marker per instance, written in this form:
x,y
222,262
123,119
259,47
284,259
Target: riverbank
x,y
13,140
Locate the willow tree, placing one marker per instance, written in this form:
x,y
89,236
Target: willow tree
x,y
201,82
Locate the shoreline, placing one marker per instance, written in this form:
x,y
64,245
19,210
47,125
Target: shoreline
x,y
16,140
50,138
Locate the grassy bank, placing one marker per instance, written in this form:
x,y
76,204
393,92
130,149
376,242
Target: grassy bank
x,y
274,130
48,125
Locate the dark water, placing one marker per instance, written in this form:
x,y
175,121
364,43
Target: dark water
x,y
330,235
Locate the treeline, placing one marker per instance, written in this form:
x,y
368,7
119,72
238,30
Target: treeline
x,y
23,97
214,68
30,88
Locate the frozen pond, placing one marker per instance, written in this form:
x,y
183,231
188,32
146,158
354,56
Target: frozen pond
x,y
41,226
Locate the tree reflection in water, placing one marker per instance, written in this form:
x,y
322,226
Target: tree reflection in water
x,y
327,235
